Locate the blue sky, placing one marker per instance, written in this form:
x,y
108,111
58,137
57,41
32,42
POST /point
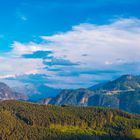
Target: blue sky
x,y
27,20
60,40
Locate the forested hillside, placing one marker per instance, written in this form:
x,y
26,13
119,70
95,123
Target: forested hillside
x,y
27,121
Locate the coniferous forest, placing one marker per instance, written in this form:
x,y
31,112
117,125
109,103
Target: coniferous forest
x,y
27,121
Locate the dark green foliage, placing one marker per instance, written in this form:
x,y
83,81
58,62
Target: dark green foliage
x,y
27,121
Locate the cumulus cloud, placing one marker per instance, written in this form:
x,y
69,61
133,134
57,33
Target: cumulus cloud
x,y
12,67
105,44
85,55
19,49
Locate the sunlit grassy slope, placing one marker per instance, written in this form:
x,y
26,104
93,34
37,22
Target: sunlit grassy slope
x,y
136,133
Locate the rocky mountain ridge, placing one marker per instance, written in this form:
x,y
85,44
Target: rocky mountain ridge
x,y
6,93
122,93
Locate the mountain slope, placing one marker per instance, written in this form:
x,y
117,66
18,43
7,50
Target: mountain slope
x,y
72,97
6,93
21,120
122,93
124,83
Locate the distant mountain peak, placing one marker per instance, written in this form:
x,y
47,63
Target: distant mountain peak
x,y
6,93
128,77
36,92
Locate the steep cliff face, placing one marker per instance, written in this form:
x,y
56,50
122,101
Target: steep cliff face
x,y
71,97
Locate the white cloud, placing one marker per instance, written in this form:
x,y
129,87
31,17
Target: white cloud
x,y
113,47
19,49
105,43
12,67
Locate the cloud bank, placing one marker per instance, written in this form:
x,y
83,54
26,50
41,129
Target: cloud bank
x,y
86,55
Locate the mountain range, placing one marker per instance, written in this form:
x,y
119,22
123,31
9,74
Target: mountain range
x,y
122,93
36,92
